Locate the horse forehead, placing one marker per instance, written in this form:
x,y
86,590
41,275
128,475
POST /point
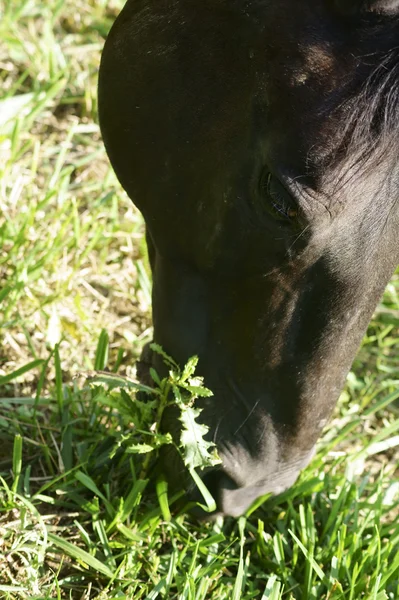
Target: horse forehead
x,y
310,45
316,61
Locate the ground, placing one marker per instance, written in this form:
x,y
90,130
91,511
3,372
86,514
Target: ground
x,y
75,297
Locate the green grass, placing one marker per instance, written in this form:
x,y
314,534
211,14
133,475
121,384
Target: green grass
x,y
75,523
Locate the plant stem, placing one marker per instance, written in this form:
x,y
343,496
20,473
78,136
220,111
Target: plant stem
x,y
163,401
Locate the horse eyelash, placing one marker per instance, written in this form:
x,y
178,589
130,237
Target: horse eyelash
x,y
281,206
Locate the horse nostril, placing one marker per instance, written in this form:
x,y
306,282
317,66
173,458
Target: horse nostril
x,y
218,481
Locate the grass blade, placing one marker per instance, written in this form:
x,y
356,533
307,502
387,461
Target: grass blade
x,y
80,555
17,461
21,371
162,495
101,359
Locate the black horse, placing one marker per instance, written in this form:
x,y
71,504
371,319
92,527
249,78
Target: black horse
x,y
260,140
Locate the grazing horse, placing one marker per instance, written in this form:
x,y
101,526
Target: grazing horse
x,y
260,140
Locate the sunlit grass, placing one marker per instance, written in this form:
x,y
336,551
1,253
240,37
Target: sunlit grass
x,y
75,523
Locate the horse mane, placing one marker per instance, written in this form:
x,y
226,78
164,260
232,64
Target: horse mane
x,y
370,117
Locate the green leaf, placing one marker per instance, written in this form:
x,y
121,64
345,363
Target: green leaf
x,y
158,440
238,584
140,448
162,494
272,589
119,381
189,368
80,555
89,483
141,413
155,376
157,590
128,533
101,359
196,450
21,371
17,461
166,358
132,500
210,504
10,108
198,390
58,378
6,290
308,556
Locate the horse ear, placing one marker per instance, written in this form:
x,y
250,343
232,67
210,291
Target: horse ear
x,y
353,7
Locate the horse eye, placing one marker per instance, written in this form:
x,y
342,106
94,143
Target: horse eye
x,y
278,201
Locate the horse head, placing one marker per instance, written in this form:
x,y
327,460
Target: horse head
x,y
260,141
